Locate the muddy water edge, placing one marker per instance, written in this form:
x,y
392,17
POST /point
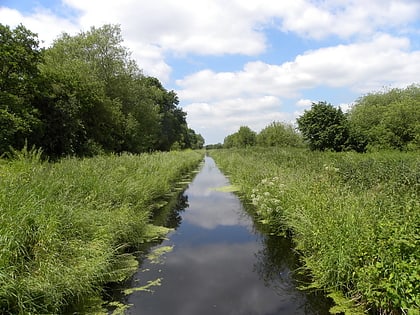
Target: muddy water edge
x,y
217,261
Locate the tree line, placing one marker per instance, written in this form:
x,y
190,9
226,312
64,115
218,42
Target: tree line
x,y
386,120
83,96
275,134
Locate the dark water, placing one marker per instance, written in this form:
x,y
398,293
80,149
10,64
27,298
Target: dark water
x,y
220,263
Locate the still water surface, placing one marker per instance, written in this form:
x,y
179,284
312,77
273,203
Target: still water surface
x,y
220,263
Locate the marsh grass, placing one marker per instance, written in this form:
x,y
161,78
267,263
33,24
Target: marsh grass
x,y
67,228
354,219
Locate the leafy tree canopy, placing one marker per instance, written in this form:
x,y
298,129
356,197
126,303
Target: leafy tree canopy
x,y
244,137
388,119
19,59
84,95
279,134
324,127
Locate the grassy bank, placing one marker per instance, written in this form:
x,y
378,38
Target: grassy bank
x,y
355,219
67,228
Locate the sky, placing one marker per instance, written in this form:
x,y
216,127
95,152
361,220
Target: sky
x,y
249,63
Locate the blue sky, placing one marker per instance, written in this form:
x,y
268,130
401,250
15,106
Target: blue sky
x,y
249,62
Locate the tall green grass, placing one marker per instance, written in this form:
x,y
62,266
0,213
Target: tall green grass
x,y
354,219
67,228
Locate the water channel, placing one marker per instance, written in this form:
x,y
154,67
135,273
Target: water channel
x,y
219,263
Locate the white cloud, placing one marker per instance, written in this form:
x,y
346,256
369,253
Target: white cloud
x,y
361,66
384,59
215,27
215,120
342,18
42,21
153,28
304,103
150,58
227,100
202,27
345,107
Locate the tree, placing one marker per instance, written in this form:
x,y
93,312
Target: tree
x,y
97,99
83,96
193,140
20,56
173,124
279,134
388,119
230,141
324,127
214,146
246,137
243,138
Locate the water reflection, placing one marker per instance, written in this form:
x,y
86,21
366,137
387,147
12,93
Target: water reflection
x,y
215,208
220,212
213,279
277,266
219,264
170,215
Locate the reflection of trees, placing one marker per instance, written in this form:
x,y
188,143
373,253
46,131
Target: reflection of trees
x,y
174,217
169,215
277,264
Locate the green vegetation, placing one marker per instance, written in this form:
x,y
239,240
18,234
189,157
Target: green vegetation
x,y
69,227
354,219
275,134
82,96
245,137
385,120
279,135
324,127
377,121
19,59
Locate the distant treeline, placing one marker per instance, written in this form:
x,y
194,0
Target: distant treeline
x,y
388,120
82,96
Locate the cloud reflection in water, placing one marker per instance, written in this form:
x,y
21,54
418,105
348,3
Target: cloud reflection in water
x,y
219,263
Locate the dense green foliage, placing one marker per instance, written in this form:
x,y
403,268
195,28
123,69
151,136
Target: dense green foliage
x,y
68,228
324,127
19,59
275,134
280,135
243,138
84,95
354,219
214,146
377,121
388,120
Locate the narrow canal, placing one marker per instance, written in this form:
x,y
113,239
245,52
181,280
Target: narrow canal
x,y
219,263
